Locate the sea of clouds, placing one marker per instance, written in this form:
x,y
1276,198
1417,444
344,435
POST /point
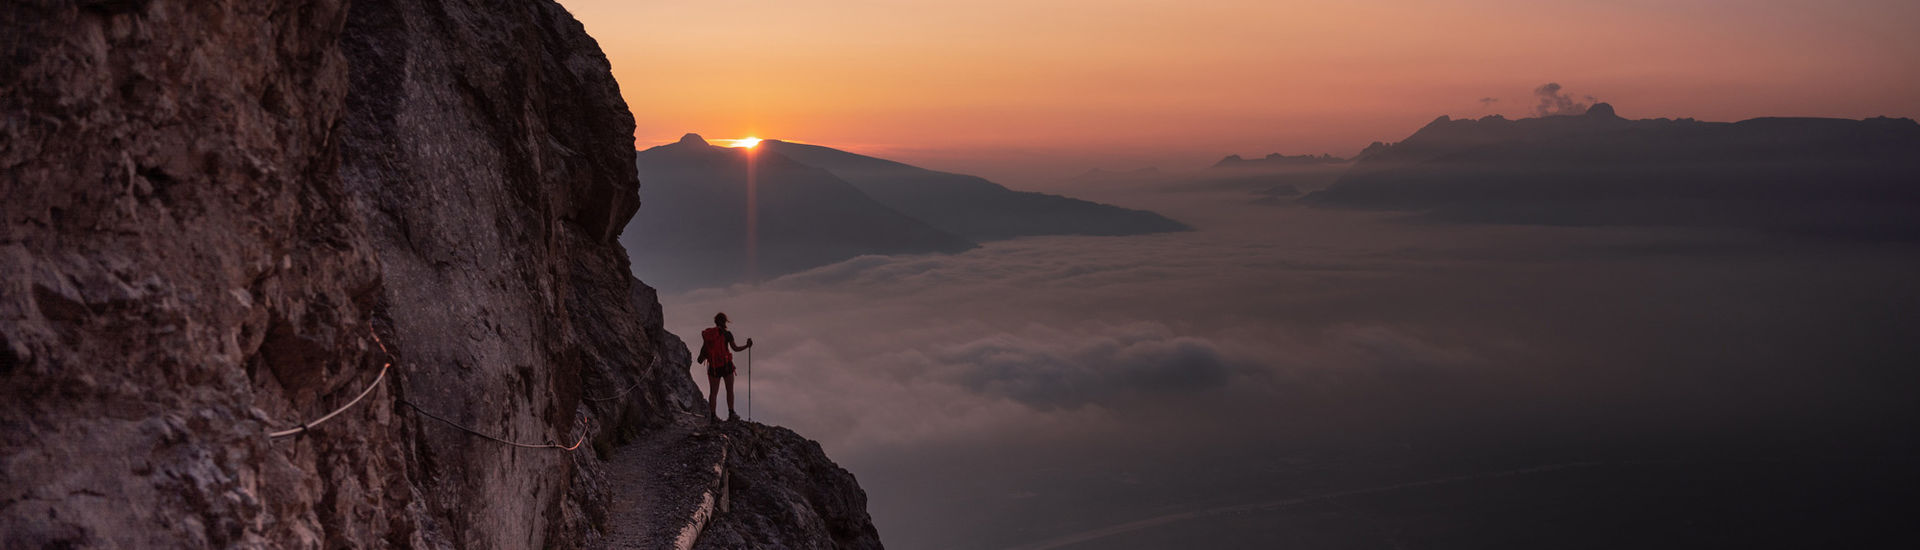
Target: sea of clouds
x,y
1042,386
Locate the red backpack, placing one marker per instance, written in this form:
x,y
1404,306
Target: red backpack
x,y
713,346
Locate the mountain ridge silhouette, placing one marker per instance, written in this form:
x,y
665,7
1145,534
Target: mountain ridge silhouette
x,y
971,206
695,231
1845,178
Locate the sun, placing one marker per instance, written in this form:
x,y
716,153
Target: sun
x,y
745,142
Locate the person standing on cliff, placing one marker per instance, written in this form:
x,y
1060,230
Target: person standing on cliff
x,y
716,350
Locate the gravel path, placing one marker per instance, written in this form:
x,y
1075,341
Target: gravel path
x,y
660,482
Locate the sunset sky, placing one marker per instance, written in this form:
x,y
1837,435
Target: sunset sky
x,y
1031,90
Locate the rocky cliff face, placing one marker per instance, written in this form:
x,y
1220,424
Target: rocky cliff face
x,y
211,209
785,493
184,272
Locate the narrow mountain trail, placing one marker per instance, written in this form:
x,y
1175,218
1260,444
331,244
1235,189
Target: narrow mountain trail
x,y
667,486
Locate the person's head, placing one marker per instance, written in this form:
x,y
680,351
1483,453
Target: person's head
x,y
720,320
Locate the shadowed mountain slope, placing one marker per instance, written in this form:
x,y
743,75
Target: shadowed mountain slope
x,y
693,231
970,206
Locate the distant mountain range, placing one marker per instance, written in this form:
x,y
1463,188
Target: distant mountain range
x,y
816,205
1275,160
1834,177
1099,176
1855,179
1273,179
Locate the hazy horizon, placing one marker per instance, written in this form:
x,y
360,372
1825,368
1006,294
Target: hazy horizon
x,y
1027,93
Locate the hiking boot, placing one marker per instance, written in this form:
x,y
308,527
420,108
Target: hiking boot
x,y
733,416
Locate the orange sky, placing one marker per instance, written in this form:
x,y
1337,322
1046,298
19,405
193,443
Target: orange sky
x,y
1030,90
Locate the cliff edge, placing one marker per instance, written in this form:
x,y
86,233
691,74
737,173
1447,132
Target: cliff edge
x,y
225,219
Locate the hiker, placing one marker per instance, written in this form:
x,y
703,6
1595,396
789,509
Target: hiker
x,y
716,350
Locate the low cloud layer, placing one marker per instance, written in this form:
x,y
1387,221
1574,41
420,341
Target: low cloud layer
x,y
977,394
1049,368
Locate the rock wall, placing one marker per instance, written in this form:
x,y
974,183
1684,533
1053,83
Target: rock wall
x,y
183,271
211,207
489,150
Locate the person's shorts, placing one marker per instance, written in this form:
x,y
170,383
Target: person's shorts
x,y
720,371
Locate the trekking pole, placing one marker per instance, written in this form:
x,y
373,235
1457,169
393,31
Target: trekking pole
x,y
749,383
